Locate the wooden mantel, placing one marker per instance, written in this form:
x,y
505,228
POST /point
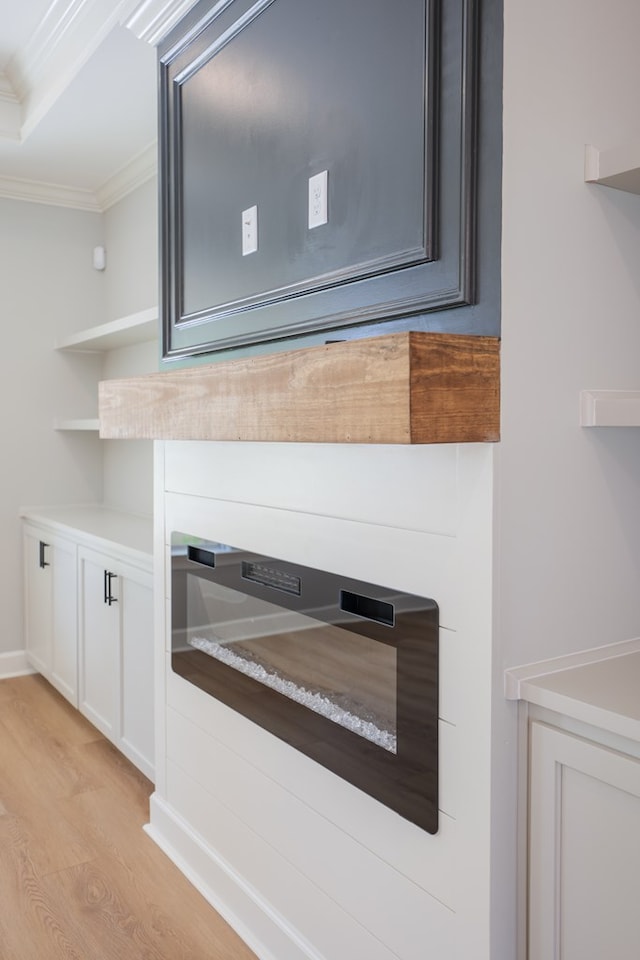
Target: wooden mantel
x,y
398,388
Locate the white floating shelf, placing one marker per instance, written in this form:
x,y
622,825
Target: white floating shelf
x,y
618,168
86,424
136,328
610,408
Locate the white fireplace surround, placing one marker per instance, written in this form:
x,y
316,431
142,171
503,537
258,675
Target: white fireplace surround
x,y
301,863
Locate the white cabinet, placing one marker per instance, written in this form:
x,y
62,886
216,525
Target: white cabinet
x,y
581,806
51,637
99,641
136,705
116,652
584,849
89,617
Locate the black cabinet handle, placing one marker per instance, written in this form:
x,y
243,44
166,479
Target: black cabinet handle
x,y
42,563
111,599
108,596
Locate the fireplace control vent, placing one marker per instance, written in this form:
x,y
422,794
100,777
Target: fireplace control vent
x,y
367,607
271,577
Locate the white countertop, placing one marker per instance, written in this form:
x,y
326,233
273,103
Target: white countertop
x,y
98,525
600,687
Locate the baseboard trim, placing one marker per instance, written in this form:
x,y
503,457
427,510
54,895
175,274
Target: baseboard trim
x,y
14,664
263,930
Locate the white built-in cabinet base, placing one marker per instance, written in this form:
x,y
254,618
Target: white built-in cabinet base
x,y
584,849
50,603
89,617
582,725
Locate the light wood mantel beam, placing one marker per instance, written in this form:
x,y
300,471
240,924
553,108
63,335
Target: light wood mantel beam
x,y
398,388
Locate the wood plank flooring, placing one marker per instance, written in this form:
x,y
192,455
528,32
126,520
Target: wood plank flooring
x,y
79,879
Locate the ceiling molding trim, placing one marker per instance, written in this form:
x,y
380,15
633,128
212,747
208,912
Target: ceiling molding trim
x,y
7,93
67,37
41,46
9,121
56,28
153,19
34,191
139,170
10,112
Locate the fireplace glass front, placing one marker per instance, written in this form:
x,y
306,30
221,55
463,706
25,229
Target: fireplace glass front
x,y
343,670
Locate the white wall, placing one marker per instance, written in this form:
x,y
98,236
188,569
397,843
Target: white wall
x,y
569,497
128,464
131,284
48,289
567,537
131,242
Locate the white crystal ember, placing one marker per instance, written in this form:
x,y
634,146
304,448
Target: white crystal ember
x,y
313,701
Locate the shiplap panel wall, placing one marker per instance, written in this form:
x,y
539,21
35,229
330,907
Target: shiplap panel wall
x,y
280,844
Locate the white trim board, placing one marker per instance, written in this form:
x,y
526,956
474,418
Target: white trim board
x,y
259,926
153,19
141,168
35,191
14,664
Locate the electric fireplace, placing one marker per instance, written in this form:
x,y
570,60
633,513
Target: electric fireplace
x,y
343,670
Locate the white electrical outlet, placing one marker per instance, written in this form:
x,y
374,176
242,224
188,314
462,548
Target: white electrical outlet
x,y
318,206
249,231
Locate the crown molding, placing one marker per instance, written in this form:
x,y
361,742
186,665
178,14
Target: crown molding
x,y
68,35
9,120
139,170
39,73
10,110
12,188
7,93
66,38
153,19
55,29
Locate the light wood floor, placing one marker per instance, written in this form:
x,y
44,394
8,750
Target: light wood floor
x,y
79,879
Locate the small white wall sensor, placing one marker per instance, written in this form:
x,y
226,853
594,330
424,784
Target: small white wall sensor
x,y
99,258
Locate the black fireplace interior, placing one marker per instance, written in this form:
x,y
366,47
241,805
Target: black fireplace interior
x,y
343,670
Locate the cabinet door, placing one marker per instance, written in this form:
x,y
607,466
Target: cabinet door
x,y
38,587
116,653
584,870
64,620
137,675
50,591
99,642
